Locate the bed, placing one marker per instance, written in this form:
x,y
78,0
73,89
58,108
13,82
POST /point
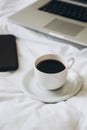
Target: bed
x,y
18,111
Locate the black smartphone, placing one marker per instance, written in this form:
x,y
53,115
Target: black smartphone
x,y
8,53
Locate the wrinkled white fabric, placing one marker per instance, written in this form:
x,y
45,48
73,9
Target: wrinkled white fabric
x,y
17,110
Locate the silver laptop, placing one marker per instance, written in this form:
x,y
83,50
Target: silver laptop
x,y
65,19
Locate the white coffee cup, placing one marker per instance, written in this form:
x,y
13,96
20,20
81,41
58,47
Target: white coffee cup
x,y
52,80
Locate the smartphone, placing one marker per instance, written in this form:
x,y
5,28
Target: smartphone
x,y
8,53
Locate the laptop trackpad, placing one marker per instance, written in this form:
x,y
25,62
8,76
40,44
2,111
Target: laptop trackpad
x,y
64,27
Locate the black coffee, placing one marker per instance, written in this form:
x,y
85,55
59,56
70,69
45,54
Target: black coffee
x,y
50,66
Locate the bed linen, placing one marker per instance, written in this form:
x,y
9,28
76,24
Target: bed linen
x,y
17,110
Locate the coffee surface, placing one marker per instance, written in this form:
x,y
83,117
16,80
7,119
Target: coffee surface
x,y
50,66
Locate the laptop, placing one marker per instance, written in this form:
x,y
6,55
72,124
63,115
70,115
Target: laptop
x,y
65,19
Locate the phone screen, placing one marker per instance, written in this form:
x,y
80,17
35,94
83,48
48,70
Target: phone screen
x,y
8,53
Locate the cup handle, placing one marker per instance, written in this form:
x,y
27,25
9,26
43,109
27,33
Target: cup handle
x,y
71,62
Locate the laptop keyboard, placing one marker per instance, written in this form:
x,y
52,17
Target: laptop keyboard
x,y
67,10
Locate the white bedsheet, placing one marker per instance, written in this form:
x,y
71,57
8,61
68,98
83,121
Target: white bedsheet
x,y
17,110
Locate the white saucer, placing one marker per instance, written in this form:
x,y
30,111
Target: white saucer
x,y
69,89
